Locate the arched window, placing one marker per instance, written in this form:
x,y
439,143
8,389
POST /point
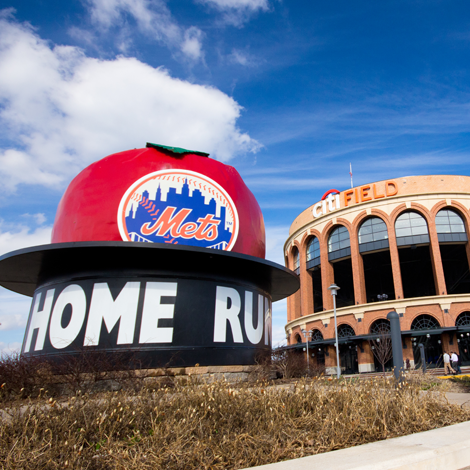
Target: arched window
x,y
380,327
373,235
424,322
298,339
345,331
313,253
317,335
339,244
296,260
463,319
450,227
411,229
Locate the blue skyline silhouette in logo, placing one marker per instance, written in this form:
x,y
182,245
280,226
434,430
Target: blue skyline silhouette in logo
x,y
148,211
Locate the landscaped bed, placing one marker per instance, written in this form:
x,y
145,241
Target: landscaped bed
x,y
213,426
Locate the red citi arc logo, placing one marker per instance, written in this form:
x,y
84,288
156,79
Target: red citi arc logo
x,y
330,198
178,206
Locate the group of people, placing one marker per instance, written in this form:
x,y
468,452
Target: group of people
x,y
454,358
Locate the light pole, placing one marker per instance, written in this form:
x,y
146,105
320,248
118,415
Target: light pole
x,y
333,290
307,336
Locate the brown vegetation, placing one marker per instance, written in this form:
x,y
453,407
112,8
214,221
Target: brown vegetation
x,y
24,376
213,426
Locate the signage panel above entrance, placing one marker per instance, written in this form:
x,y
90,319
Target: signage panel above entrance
x,y
333,200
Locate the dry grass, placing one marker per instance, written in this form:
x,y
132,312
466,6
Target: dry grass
x,y
214,426
427,381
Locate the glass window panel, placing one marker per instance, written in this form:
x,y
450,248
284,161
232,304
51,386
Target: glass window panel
x,y
448,221
410,223
309,250
338,239
457,228
296,260
403,232
420,223
375,227
420,230
400,223
313,249
380,228
442,222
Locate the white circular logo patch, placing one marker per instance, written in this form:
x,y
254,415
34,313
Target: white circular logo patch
x,y
178,207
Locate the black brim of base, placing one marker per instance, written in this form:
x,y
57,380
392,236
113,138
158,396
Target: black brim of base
x,y
22,271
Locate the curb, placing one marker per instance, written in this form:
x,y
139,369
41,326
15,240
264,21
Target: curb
x,y
439,449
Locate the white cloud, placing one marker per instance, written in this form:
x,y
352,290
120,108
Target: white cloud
x,y
240,58
275,239
279,321
237,12
39,218
192,45
9,348
14,308
22,237
152,17
66,110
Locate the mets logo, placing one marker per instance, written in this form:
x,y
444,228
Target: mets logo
x,y
178,206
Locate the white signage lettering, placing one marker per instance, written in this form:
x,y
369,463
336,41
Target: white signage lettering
x,y
227,310
82,316
253,334
225,313
61,337
332,202
153,310
39,321
104,308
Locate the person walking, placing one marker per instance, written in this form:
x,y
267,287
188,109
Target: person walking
x,y
455,362
447,366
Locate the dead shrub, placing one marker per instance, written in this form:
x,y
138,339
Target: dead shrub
x,y
87,371
426,381
215,426
22,376
91,371
289,364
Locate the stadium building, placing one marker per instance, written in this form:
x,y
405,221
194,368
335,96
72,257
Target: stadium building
x,y
396,245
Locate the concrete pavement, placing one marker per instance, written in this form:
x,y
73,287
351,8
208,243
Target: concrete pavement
x,y
440,449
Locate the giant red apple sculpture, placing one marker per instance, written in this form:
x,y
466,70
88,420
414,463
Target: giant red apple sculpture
x,y
161,195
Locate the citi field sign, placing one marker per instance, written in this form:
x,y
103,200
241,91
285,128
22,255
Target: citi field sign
x,y
333,200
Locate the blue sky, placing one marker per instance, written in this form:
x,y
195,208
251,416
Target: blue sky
x,y
287,92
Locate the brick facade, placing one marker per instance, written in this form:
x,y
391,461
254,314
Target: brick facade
x,y
387,200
